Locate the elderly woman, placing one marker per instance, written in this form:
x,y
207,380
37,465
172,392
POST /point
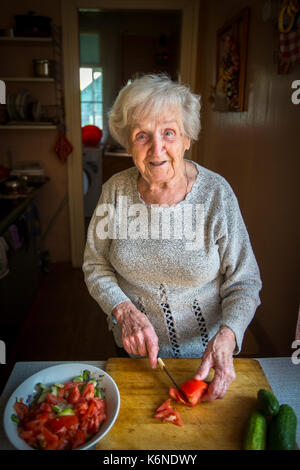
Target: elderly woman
x,y
168,257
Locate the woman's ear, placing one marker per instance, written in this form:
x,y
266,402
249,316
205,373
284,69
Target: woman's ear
x,y
187,143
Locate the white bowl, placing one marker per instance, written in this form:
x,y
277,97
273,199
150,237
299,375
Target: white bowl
x,y
62,373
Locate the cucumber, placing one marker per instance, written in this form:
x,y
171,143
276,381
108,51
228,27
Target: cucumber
x,y
268,402
282,432
256,432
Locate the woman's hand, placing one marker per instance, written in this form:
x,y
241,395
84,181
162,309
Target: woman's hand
x,y
138,335
218,355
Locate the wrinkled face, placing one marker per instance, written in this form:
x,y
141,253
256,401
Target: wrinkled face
x,y
157,146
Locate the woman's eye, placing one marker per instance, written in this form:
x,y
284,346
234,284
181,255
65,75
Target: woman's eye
x,y
169,133
141,137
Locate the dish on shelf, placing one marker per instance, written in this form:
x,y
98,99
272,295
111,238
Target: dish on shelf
x,y
25,99
17,103
36,110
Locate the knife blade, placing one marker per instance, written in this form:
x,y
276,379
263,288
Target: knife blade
x,y
163,367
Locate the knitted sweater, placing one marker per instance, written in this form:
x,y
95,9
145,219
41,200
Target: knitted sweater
x,y
190,268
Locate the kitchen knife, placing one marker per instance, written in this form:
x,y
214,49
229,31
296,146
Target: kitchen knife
x,y
163,367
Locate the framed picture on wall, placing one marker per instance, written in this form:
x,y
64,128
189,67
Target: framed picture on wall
x,y
228,94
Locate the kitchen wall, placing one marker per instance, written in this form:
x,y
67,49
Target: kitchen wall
x,y
16,60
257,151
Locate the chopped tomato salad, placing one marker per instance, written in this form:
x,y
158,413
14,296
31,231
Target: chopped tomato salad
x,y
63,416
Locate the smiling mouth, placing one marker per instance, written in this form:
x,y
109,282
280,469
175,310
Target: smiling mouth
x,y
157,163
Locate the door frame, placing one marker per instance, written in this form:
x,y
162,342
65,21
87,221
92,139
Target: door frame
x,y
70,36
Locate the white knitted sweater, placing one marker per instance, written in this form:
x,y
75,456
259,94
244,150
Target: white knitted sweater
x,y
187,291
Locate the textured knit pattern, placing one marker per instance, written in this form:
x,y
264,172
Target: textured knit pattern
x,y
186,294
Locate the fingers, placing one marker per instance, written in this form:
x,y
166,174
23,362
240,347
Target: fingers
x,y
140,339
220,383
135,345
152,348
206,364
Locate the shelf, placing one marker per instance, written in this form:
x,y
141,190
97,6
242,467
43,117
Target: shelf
x,y
27,79
29,126
24,39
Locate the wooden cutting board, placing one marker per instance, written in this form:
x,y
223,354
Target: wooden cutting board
x,y
217,425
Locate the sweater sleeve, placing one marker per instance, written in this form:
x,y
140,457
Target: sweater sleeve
x,y
240,289
99,274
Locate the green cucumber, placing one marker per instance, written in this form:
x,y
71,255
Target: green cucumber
x,y
66,412
42,396
268,402
54,390
255,437
283,427
79,378
86,375
15,418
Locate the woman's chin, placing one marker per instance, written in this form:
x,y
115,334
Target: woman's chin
x,y
157,175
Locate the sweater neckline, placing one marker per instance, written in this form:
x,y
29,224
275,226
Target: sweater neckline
x,y
187,197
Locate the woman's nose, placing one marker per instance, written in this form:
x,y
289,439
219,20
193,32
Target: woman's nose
x,y
156,145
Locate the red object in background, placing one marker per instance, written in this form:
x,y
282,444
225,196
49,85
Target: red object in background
x,y
63,147
91,135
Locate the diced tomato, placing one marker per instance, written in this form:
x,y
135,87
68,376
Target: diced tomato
x,y
70,385
74,395
45,407
53,400
41,428
165,405
81,408
61,392
21,409
169,415
49,436
174,393
36,424
61,422
88,391
100,403
90,409
28,436
194,390
166,413
79,439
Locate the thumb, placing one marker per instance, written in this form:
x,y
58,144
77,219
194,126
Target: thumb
x,y
204,369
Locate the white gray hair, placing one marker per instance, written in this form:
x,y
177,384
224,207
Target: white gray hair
x,y
147,96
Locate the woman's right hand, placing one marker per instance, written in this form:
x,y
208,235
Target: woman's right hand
x,y
138,335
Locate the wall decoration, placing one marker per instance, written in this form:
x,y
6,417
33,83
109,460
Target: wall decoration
x,y
289,35
229,92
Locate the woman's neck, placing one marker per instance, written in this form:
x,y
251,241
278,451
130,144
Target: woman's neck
x,y
165,193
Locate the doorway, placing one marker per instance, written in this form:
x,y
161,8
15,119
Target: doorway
x,y
186,10
116,46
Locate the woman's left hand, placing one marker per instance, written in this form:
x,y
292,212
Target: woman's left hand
x,y
218,355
